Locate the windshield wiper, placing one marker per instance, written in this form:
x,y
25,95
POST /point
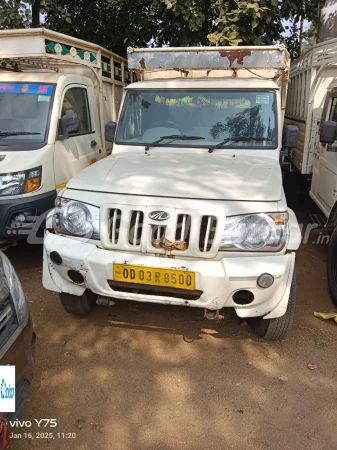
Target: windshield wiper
x,y
237,139
16,133
173,137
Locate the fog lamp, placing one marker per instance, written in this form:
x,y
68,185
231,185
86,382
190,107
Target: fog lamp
x,y
265,280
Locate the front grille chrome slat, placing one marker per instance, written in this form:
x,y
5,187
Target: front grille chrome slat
x,y
207,233
136,228
183,225
135,233
208,229
183,230
116,216
5,317
158,235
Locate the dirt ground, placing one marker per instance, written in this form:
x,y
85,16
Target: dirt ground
x,y
137,376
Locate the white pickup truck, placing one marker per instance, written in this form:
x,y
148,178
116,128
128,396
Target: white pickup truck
x,y
312,107
189,209
56,95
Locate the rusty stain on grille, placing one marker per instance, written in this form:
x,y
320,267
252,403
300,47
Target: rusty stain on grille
x,y
183,230
158,235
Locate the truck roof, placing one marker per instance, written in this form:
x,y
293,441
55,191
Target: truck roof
x,y
37,49
205,83
186,58
45,77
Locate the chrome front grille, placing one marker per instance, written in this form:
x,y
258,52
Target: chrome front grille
x,y
5,316
8,319
114,225
194,233
207,233
183,228
136,227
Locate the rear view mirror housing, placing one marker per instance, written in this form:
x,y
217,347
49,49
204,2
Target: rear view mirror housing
x,y
289,138
69,124
328,133
110,130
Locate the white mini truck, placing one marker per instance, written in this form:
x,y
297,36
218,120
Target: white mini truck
x,y
56,95
189,209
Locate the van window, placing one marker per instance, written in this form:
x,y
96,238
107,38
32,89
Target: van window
x,y
333,111
76,101
24,112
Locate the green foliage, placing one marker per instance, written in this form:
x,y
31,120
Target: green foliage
x,y
14,14
23,14
116,24
309,37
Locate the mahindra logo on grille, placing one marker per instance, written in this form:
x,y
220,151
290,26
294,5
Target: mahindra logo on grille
x,y
159,215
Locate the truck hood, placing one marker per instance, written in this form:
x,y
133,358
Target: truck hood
x,y
211,177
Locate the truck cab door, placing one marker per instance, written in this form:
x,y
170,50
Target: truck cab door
x,y
83,147
324,180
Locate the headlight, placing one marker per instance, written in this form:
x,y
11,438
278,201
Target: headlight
x,y
76,218
255,232
20,182
10,284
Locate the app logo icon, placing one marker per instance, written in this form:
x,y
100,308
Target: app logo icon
x,y
7,388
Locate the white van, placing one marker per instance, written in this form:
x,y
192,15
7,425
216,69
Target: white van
x,y
56,94
312,106
189,209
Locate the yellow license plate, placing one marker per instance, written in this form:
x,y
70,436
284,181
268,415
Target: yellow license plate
x,y
180,279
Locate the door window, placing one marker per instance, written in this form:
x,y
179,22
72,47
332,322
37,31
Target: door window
x,y
76,101
333,110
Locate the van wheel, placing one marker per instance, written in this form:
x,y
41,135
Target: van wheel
x,y
332,266
79,305
275,329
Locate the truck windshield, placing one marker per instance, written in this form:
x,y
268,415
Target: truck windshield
x,y
24,112
216,115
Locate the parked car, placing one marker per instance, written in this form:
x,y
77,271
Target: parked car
x,y
189,209
17,338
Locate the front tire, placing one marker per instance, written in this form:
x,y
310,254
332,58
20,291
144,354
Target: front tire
x,y
275,329
332,266
78,305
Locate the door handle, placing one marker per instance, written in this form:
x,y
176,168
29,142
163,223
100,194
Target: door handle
x,y
93,144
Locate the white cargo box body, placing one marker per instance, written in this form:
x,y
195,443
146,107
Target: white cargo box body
x,y
310,77
259,63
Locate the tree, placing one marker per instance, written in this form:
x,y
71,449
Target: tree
x,y
246,22
14,14
116,24
309,38
25,14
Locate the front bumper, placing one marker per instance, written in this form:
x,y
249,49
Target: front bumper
x,y
35,206
21,354
218,280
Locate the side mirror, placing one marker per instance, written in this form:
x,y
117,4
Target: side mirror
x,y
328,133
289,138
110,130
68,124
